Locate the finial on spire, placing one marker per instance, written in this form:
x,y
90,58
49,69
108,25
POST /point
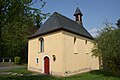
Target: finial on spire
x,y
76,4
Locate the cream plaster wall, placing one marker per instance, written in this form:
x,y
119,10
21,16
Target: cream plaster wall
x,y
52,46
79,60
61,44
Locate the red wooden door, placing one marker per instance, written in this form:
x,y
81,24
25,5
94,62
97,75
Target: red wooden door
x,y
46,65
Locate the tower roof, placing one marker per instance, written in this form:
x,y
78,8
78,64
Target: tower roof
x,y
78,12
58,22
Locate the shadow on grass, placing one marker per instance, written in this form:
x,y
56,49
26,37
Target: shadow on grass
x,y
93,75
104,73
31,78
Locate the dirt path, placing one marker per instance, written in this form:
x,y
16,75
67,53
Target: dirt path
x,y
6,64
9,66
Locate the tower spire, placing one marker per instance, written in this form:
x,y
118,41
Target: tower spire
x,y
78,15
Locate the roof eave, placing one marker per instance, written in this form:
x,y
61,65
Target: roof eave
x,y
59,30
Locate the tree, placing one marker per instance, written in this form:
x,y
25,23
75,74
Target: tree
x,y
17,19
107,46
118,23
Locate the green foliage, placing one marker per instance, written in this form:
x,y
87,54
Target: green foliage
x,y
12,10
17,60
18,20
118,23
107,46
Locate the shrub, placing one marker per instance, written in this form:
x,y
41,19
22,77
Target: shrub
x,y
17,60
107,46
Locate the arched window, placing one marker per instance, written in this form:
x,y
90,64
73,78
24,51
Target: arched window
x,y
41,44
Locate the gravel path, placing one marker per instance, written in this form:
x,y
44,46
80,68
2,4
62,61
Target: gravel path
x,y
6,67
6,64
11,67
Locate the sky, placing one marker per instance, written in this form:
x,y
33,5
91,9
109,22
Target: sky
x,y
95,12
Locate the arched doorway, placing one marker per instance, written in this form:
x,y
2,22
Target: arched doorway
x,y
46,65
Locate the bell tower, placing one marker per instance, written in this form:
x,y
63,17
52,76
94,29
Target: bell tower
x,y
78,16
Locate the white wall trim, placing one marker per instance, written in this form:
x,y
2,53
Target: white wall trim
x,y
43,63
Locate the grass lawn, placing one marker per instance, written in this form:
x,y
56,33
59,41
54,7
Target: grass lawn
x,y
93,75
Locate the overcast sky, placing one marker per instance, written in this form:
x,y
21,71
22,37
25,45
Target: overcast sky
x,y
95,12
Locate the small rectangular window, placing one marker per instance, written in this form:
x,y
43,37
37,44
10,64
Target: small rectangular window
x,y
36,61
85,41
75,45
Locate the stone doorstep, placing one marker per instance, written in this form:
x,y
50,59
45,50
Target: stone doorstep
x,y
20,74
10,73
14,74
6,73
17,74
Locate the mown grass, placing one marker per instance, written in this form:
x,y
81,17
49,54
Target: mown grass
x,y
93,75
